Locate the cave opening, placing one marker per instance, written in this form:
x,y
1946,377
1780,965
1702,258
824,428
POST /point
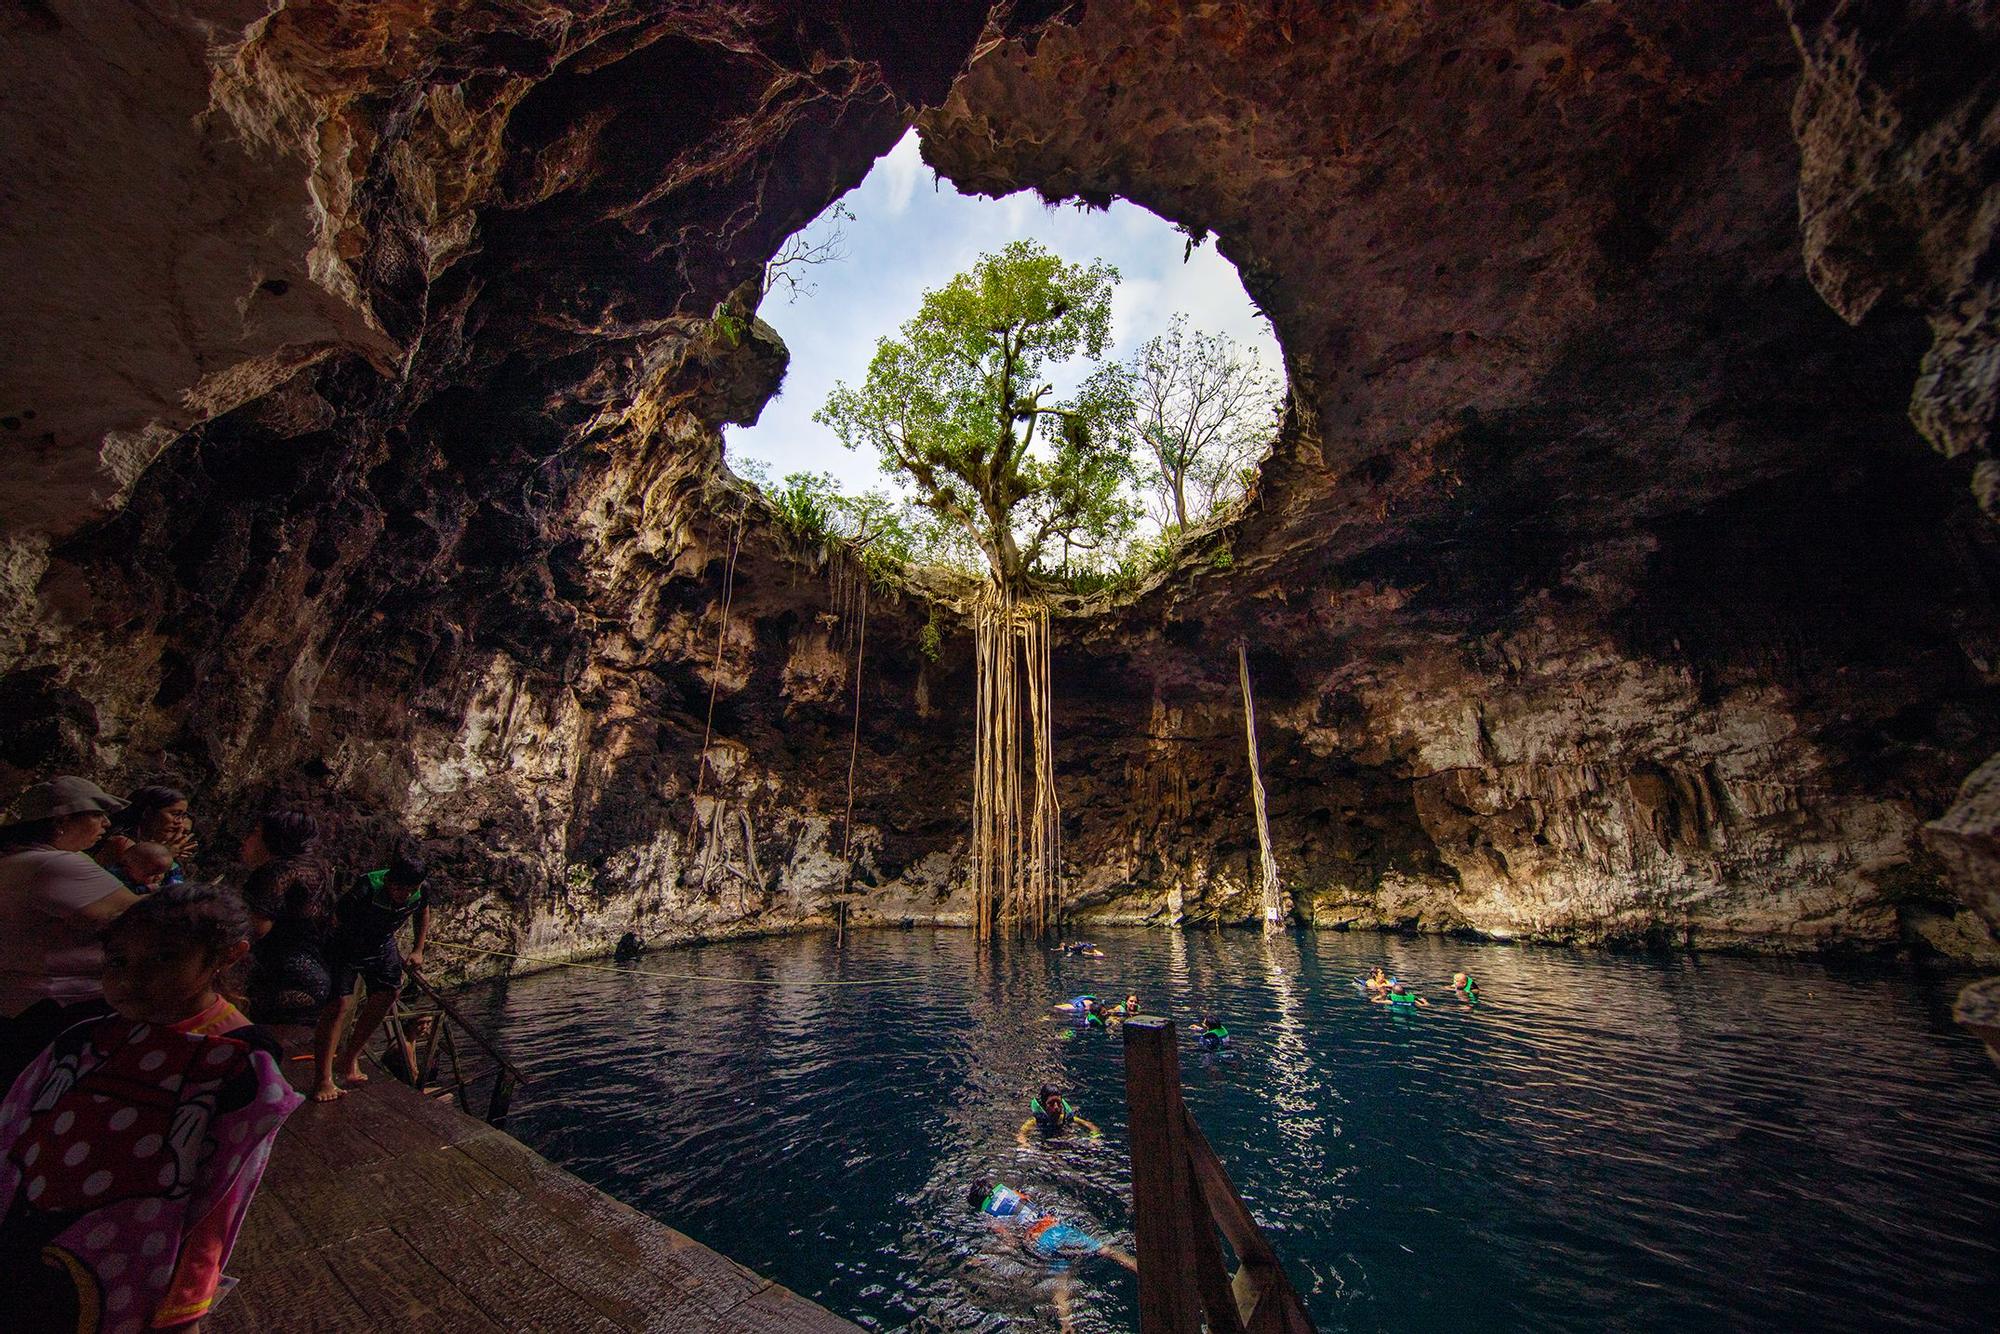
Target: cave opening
x,y
1199,367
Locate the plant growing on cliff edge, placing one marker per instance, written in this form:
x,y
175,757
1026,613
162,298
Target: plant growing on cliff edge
x,y
1205,411
958,408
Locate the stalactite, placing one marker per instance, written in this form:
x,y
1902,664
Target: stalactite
x,y
1267,864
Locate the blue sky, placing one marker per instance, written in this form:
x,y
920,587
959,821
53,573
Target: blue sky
x,y
911,233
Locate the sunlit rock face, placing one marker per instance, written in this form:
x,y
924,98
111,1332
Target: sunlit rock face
x,y
1600,588
365,456
363,421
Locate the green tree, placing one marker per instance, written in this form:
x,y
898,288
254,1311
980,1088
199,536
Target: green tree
x,y
958,406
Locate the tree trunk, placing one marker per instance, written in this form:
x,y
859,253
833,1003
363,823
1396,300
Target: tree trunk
x,y
1267,864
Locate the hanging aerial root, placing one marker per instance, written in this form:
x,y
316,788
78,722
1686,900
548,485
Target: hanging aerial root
x,y
1016,818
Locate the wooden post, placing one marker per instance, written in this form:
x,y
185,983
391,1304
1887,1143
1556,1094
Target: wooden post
x,y
1267,864
1162,1193
1180,1197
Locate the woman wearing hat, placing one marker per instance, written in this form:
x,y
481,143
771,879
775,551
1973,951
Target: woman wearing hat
x,y
53,902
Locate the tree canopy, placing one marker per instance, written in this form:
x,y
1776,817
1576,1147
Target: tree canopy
x,y
1205,411
959,406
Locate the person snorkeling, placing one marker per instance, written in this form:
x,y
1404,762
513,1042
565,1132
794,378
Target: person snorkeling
x,y
1466,989
1055,1116
1085,1010
1012,1215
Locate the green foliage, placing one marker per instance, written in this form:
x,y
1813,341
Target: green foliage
x,y
729,326
957,407
931,638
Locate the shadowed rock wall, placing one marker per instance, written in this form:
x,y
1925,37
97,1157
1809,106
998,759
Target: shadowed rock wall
x,y
365,454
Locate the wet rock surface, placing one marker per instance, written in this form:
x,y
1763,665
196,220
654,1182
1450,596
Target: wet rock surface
x,y
1601,586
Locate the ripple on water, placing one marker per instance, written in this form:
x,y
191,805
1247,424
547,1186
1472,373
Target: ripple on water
x,y
1607,1142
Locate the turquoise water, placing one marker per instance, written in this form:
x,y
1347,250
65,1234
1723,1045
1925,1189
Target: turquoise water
x,y
1607,1142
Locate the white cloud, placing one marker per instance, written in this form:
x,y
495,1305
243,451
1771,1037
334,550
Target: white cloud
x,y
898,173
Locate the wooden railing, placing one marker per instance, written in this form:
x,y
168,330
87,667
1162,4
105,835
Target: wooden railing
x,y
439,1043
1181,1197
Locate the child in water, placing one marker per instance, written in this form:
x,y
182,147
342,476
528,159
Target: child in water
x,y
130,1149
1055,1115
1124,1009
1399,996
1042,1235
1463,985
1209,1031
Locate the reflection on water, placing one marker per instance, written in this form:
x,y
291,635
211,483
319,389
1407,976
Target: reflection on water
x,y
1606,1142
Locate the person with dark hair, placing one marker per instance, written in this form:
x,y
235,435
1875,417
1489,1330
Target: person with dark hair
x,y
290,898
152,814
131,1147
1055,1116
53,901
1043,1235
363,948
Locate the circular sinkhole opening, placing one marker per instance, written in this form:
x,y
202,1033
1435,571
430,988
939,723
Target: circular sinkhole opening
x,y
1110,358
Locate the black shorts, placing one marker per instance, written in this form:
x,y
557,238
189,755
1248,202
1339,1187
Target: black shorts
x,y
379,965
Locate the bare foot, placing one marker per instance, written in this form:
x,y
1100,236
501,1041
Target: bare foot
x,y
352,1074
328,1091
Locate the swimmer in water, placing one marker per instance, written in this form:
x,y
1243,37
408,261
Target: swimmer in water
x,y
1210,1032
1126,1008
1378,980
1399,996
1465,988
1042,1235
1082,949
1055,1115
1086,1010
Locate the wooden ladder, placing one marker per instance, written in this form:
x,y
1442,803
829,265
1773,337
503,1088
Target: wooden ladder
x,y
422,1059
1181,1196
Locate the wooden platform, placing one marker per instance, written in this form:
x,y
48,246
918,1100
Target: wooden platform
x,y
391,1211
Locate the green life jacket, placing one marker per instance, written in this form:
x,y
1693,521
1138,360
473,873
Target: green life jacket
x,y
1063,1115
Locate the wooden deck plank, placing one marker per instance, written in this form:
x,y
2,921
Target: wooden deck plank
x,y
621,1230
510,1288
401,1290
390,1210
295,1292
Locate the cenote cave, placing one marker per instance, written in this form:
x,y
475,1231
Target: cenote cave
x,y
1094,665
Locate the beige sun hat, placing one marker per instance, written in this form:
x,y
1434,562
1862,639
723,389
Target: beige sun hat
x,y
62,796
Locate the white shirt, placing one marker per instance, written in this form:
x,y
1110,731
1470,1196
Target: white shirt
x,y
43,953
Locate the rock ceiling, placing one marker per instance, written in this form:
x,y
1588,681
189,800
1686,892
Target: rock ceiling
x,y
1620,573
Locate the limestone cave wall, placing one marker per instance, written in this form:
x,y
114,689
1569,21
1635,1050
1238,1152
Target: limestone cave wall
x,y
364,453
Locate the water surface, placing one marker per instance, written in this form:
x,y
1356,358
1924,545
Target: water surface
x,y
1607,1142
